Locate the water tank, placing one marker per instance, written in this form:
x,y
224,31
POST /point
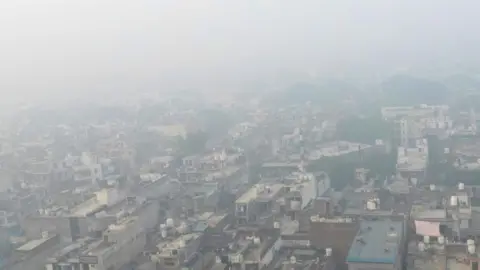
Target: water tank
x,y
432,187
121,214
414,181
296,205
371,205
44,234
164,233
426,239
470,242
276,225
181,243
454,201
170,223
256,240
328,252
446,151
441,240
293,260
471,249
421,246
183,228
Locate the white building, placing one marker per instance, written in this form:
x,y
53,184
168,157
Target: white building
x,y
172,255
411,121
122,242
412,162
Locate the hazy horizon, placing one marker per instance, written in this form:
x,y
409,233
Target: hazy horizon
x,y
53,49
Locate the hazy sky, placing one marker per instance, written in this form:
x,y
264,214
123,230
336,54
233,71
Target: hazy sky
x,y
57,48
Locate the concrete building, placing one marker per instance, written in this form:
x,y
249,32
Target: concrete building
x,y
336,233
258,200
122,242
412,162
350,150
92,216
32,254
174,254
427,111
302,258
377,245
86,168
410,122
250,249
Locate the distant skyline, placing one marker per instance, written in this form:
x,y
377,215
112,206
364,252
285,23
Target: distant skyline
x,y
52,49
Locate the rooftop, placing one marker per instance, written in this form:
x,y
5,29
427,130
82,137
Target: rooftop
x,y
181,241
86,207
336,148
31,245
305,258
412,111
260,192
223,173
376,241
428,214
412,159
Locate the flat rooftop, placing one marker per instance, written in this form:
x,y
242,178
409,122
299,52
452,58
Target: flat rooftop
x,y
179,243
412,159
264,192
376,241
225,172
336,148
280,164
31,245
428,214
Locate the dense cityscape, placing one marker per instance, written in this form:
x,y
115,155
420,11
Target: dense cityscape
x,y
178,183
239,135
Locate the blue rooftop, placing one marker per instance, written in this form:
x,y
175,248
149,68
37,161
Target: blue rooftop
x,y
377,241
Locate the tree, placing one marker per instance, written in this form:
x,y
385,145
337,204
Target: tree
x,y
407,90
363,130
216,122
341,175
381,165
193,143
